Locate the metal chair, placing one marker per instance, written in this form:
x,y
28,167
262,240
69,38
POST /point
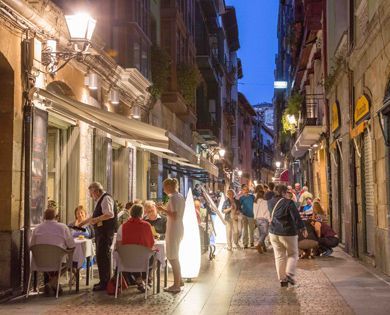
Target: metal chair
x,y
133,258
48,258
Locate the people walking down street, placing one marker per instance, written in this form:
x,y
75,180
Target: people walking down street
x,y
270,193
327,238
291,194
248,221
262,217
285,225
175,229
229,208
297,192
104,222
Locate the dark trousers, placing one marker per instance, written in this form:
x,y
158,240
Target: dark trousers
x,y
103,241
328,242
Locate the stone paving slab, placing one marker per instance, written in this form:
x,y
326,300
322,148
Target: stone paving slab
x,y
239,282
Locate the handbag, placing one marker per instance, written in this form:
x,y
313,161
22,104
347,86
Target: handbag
x,y
112,283
273,210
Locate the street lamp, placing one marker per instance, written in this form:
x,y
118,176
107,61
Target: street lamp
x,y
278,164
81,27
239,173
222,152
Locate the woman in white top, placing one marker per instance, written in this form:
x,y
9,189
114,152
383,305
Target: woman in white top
x,y
175,230
262,217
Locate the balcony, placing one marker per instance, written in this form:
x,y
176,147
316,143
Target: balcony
x,y
208,128
310,125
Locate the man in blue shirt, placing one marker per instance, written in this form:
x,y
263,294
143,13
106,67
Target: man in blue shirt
x,y
248,222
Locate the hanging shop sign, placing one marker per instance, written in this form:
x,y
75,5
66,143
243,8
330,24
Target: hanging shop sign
x,y
359,129
362,109
335,116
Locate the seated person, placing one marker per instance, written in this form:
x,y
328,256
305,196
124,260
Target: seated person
x,y
138,232
157,221
327,238
306,211
124,215
308,245
80,216
51,232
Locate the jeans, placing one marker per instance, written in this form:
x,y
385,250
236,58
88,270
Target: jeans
x,y
286,254
262,225
248,224
232,232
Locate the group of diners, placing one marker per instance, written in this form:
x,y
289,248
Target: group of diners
x,y
140,223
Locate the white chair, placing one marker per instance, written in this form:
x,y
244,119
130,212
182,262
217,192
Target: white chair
x,y
133,258
48,258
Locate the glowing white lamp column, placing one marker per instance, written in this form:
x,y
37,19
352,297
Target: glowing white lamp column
x,y
190,252
219,227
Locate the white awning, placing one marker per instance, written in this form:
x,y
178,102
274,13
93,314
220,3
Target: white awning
x,y
140,134
309,136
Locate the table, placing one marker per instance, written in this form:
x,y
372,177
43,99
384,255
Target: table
x,y
83,251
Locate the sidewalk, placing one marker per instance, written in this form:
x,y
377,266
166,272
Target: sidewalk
x,y
241,282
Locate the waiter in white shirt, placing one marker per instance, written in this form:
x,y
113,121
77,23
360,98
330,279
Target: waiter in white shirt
x,y
104,222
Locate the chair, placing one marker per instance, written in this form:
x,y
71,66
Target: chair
x,y
47,258
133,258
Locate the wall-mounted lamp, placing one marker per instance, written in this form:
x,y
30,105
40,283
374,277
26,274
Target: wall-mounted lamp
x,y
278,164
135,112
92,80
81,27
114,96
222,152
239,173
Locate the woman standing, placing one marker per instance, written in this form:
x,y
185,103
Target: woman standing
x,y
285,225
175,230
262,217
229,208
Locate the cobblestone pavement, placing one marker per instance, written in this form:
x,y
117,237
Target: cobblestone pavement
x,y
241,282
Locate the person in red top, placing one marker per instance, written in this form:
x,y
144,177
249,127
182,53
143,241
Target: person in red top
x,y
138,232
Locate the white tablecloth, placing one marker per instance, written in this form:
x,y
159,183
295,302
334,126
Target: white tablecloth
x,y
84,248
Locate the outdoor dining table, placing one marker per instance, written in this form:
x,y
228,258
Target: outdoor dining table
x,y
159,247
83,252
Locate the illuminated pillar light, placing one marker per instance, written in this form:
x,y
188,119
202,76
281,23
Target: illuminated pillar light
x,y
114,97
190,251
93,81
220,228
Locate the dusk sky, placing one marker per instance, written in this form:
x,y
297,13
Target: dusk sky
x,y
257,22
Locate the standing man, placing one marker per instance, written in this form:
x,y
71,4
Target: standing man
x,y
104,222
248,221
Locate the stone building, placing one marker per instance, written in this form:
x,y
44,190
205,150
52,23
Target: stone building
x,y
71,116
358,48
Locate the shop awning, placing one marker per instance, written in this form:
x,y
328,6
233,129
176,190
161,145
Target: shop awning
x,y
309,136
150,138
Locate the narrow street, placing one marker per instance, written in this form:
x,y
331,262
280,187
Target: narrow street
x,y
241,282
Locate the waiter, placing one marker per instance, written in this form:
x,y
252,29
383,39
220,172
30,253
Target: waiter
x,y
104,222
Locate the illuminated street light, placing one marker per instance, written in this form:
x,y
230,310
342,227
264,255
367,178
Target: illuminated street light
x,y
292,120
278,164
239,173
80,26
222,152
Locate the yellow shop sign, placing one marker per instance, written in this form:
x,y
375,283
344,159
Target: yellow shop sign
x,y
362,108
335,116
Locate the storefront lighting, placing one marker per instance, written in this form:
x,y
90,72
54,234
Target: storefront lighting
x,y
114,97
136,112
280,85
239,173
190,251
93,81
278,164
